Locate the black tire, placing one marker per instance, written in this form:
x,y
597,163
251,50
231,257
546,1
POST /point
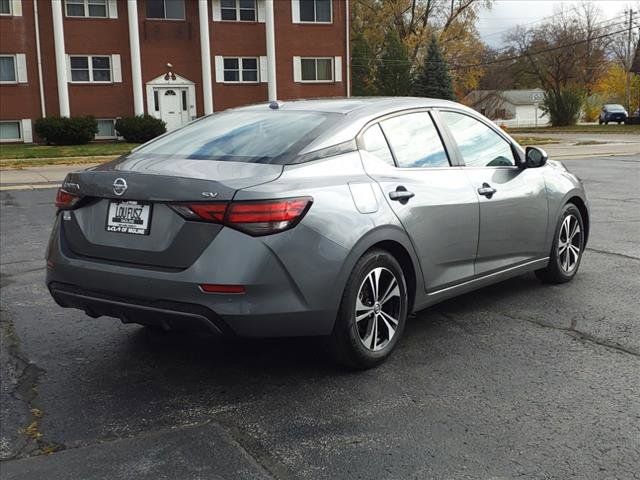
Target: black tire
x,y
557,270
599,122
346,344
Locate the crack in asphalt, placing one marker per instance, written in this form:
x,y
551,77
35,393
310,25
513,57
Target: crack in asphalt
x,y
6,279
25,391
255,449
605,252
573,332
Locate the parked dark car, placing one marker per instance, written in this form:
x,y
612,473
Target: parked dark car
x,y
612,113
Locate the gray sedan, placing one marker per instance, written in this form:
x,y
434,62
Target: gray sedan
x,y
332,218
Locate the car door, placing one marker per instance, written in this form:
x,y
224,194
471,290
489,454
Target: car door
x,y
513,201
434,200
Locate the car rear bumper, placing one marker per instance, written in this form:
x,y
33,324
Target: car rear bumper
x,y
164,315
274,303
615,118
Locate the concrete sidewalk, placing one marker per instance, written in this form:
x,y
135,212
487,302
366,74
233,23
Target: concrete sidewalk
x,y
47,176
30,178
563,151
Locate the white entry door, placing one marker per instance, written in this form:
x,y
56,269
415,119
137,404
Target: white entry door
x,y
173,107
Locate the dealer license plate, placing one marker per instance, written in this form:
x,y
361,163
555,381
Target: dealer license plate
x,y
129,217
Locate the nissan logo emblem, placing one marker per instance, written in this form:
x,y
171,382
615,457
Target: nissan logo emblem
x,y
119,186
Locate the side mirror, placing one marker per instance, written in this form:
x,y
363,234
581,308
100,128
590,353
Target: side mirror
x,y
535,157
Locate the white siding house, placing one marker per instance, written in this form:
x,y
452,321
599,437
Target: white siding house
x,y
512,108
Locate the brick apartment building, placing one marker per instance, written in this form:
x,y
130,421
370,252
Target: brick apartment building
x,y
173,59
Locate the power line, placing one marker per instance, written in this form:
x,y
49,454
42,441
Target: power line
x,y
501,60
549,17
620,20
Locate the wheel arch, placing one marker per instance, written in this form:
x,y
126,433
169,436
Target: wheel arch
x,y
584,212
395,241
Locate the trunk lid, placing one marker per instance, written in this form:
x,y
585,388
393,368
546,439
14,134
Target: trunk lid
x,y
154,178
170,242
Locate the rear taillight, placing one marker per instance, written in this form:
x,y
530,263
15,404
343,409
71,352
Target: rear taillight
x,y
255,218
210,212
66,200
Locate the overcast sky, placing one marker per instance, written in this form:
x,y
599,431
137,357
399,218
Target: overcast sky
x,y
506,14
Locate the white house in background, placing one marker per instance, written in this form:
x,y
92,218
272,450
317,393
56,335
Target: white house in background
x,y
513,108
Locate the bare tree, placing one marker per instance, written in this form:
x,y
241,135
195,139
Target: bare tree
x,y
567,51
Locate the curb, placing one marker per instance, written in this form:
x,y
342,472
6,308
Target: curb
x,y
27,186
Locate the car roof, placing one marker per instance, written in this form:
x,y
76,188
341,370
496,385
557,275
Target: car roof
x,y
354,113
349,106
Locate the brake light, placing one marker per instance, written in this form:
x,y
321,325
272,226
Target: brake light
x,y
211,212
66,200
267,217
255,218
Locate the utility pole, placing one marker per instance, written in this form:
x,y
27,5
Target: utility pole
x,y
629,60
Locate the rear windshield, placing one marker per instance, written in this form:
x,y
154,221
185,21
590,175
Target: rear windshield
x,y
615,108
271,136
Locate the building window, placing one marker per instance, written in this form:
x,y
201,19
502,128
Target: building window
x,y
316,69
5,7
94,69
10,132
238,10
106,129
87,8
241,69
165,9
8,69
318,11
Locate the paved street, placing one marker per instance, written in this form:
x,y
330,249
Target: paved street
x,y
516,380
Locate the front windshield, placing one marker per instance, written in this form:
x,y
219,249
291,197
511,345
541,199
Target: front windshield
x,y
270,136
615,108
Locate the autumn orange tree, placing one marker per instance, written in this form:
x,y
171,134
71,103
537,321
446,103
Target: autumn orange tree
x,y
453,22
611,88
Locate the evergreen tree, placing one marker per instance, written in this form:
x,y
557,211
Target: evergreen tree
x,y
433,78
394,71
362,71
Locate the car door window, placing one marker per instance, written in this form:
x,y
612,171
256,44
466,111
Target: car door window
x,y
414,140
479,145
373,142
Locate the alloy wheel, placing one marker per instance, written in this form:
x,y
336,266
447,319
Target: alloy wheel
x,y
569,243
378,308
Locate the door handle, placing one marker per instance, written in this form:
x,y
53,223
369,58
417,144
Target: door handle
x,y
487,190
401,195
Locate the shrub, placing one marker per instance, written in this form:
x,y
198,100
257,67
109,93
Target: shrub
x,y
140,129
563,106
66,130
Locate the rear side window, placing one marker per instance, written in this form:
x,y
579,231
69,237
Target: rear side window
x,y
479,145
242,136
415,142
374,143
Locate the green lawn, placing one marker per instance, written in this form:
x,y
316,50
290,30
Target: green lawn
x,y
611,128
22,151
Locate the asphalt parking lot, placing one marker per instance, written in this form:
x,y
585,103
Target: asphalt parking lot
x,y
516,380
